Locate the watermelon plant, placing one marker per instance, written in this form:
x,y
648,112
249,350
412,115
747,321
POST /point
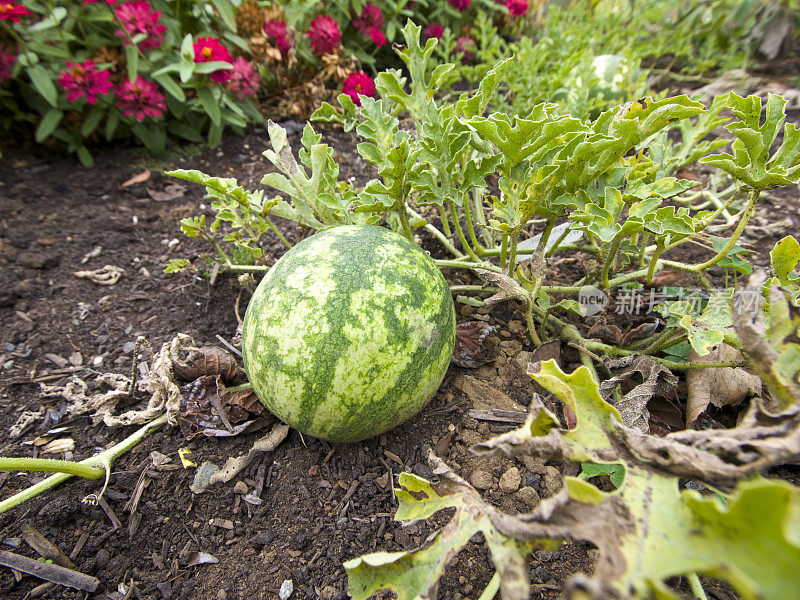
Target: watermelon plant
x,y
349,334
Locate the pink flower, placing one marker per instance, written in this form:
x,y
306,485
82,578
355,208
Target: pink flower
x,y
140,99
83,81
376,35
324,33
460,5
275,30
138,17
358,84
244,79
371,16
7,60
10,11
433,30
208,49
517,7
465,46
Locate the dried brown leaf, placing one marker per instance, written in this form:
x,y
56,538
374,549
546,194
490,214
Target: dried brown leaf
x,y
472,348
140,178
208,360
722,386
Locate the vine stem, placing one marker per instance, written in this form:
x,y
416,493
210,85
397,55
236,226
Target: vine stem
x,y
50,465
102,461
696,586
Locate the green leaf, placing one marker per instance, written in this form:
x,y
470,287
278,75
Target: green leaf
x,y
48,124
184,130
177,265
211,108
751,162
412,575
55,17
227,12
615,472
111,124
84,156
91,121
784,258
169,85
43,83
132,61
212,66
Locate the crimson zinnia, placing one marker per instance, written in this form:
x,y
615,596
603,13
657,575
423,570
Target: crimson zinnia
x,y
358,84
82,81
517,7
10,11
460,5
140,99
137,17
208,49
277,34
324,33
433,30
244,79
376,35
466,46
371,16
7,60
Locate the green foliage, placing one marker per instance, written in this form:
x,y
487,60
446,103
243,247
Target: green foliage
x,y
605,186
186,103
647,531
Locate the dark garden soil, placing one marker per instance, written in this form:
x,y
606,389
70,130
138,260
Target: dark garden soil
x,y
320,504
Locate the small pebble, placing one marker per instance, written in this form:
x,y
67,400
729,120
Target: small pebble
x,y
510,481
240,488
481,480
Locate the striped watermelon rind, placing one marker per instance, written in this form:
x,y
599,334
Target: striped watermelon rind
x,y
349,334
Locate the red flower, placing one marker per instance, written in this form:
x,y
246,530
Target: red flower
x,y
376,35
460,5
244,79
358,84
7,60
465,46
324,33
140,99
275,30
9,11
517,7
138,17
433,30
83,81
371,16
208,49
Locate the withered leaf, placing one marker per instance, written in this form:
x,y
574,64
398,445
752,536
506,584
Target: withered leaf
x,y
472,348
605,332
208,360
721,386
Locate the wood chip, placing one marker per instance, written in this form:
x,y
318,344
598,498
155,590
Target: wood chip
x,y
49,572
46,549
503,416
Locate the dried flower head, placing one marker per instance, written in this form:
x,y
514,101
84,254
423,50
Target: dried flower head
x,y
358,84
140,99
138,17
324,33
249,18
82,81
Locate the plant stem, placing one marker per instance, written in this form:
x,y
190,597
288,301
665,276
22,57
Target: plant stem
x,y
696,586
105,459
473,238
404,221
49,465
278,233
746,214
437,234
451,205
247,268
612,253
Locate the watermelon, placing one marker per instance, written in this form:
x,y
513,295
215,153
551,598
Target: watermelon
x,y
349,334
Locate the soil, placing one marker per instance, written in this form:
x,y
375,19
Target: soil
x,y
320,504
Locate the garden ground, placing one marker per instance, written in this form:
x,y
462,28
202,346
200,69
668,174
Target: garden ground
x,y
321,504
